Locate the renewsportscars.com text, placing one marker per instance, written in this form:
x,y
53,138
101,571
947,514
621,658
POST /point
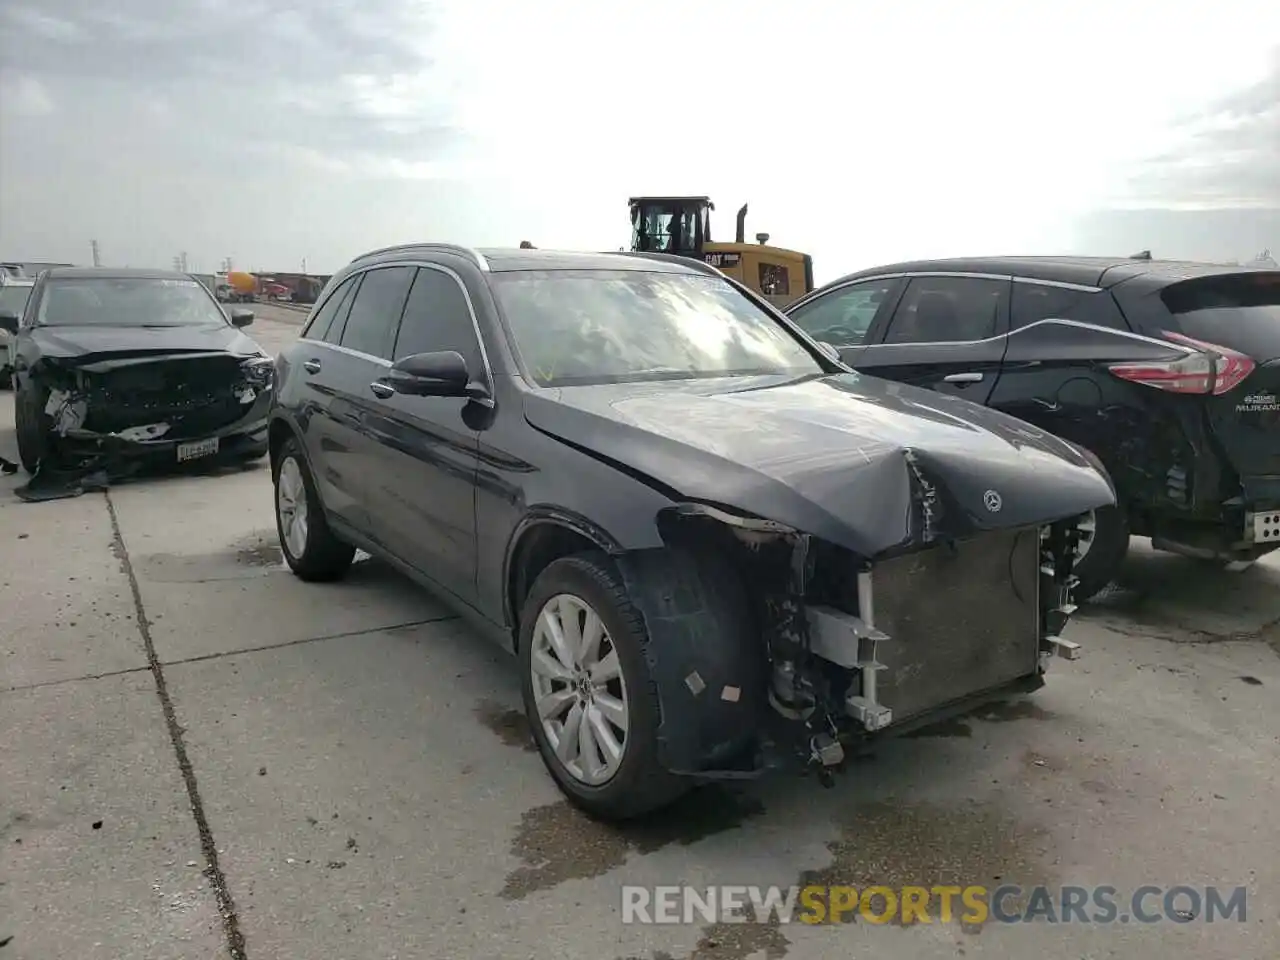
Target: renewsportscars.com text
x,y
907,905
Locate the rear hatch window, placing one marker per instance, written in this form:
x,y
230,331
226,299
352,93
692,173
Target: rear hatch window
x,y
1240,311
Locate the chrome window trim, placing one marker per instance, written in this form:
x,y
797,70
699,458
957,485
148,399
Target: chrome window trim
x,y
471,311
1063,321
901,275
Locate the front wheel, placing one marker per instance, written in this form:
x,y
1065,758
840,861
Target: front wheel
x,y
32,426
309,546
1103,545
588,693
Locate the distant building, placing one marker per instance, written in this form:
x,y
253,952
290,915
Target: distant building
x,y
29,268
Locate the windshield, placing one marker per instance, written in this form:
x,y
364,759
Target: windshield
x,y
591,326
14,298
126,302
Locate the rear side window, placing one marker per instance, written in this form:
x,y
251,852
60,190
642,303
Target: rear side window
x,y
437,318
843,316
1033,302
318,329
948,309
375,312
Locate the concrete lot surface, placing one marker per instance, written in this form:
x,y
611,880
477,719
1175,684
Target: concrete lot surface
x,y
205,758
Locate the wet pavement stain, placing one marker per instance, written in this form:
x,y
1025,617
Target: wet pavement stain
x,y
255,555
557,842
955,727
923,845
260,555
508,725
899,845
999,712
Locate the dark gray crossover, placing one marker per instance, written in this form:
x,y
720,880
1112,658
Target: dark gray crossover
x,y
715,549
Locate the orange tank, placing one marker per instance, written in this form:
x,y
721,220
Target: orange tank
x,y
241,282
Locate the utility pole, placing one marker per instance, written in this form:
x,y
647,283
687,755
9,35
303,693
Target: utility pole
x,y
97,259
304,266
182,258
177,264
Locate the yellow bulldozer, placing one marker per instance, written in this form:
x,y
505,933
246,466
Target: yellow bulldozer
x,y
682,226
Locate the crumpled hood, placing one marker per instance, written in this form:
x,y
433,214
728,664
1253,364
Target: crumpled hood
x,y
866,463
92,343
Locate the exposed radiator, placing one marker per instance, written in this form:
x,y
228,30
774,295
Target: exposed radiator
x,y
959,620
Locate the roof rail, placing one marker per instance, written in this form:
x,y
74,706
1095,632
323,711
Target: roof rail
x,y
468,252
699,265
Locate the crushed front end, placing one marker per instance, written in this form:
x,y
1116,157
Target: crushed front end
x,y
106,418
859,649
155,404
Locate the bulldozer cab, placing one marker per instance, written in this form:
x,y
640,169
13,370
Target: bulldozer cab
x,y
679,225
682,226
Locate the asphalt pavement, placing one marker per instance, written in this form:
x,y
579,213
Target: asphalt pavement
x,y
205,757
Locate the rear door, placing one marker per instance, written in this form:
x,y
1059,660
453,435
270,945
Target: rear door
x,y
1236,315
844,315
328,431
947,333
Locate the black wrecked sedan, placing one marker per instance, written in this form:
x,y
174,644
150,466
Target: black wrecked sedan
x,y
714,549
113,367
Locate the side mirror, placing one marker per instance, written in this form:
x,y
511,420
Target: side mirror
x,y
441,374
829,349
241,318
9,321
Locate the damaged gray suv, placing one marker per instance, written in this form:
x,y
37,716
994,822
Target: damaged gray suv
x,y
112,367
714,549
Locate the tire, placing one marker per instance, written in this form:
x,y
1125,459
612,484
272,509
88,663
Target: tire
x,y
1099,566
639,784
313,553
32,426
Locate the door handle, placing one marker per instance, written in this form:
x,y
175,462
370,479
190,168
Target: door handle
x,y
963,378
311,366
382,390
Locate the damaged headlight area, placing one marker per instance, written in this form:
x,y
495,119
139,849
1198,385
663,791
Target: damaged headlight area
x,y
855,646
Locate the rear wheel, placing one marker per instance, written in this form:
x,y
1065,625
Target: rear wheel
x,y
309,546
588,694
1103,545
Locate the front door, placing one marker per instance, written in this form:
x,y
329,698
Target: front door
x,y
947,334
424,477
844,317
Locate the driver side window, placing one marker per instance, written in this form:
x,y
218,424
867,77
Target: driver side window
x,y
843,317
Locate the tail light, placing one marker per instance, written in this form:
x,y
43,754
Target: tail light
x,y
1216,370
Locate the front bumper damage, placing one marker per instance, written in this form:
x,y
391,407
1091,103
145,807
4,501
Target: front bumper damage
x,y
858,650
104,430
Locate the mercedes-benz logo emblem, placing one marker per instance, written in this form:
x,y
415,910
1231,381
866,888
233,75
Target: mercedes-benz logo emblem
x,y
991,500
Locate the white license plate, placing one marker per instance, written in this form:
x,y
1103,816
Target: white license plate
x,y
1266,527
197,449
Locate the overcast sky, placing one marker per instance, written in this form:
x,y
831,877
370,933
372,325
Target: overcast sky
x,y
271,132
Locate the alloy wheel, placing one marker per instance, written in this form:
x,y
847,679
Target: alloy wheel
x,y
579,689
291,506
